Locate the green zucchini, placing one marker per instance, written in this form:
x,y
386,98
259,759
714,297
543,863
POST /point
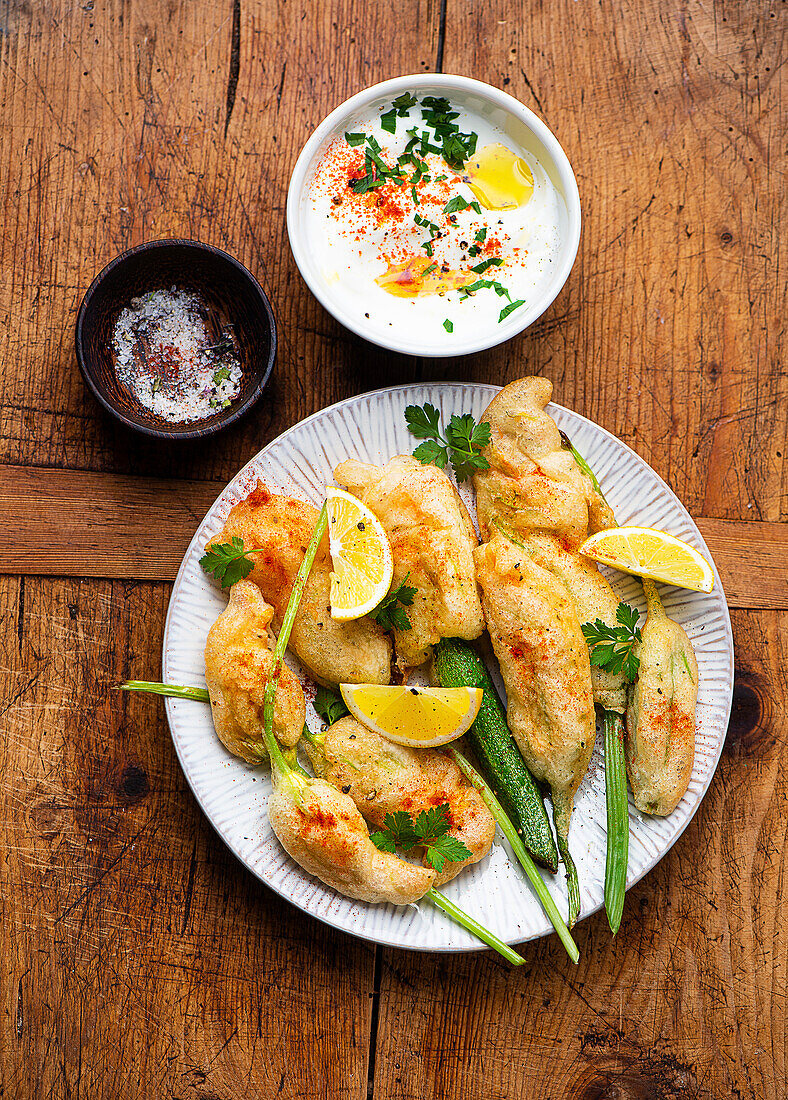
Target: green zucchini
x,y
457,664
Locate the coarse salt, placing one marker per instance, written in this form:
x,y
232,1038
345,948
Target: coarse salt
x,y
170,358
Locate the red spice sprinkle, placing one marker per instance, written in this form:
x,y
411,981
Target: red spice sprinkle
x,y
390,215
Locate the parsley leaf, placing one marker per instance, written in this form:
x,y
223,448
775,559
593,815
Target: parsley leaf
x,y
463,441
613,648
329,706
433,822
228,561
455,204
466,438
403,103
377,171
509,309
494,261
448,325
389,614
384,842
426,224
445,849
626,615
483,284
389,121
433,452
429,831
355,139
397,829
424,421
481,234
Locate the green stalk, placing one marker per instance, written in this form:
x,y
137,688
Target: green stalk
x,y
572,881
177,691
615,766
473,926
519,849
199,695
617,818
274,751
581,462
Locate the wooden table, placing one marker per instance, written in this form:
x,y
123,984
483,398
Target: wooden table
x,y
139,958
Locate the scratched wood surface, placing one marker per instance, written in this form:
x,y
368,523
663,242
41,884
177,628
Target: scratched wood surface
x,y
139,959
139,529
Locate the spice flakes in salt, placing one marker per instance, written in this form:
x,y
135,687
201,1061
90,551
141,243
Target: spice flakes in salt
x,y
171,361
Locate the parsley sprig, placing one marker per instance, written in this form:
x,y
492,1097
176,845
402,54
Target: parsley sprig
x,y
430,831
460,445
228,561
329,706
390,612
613,647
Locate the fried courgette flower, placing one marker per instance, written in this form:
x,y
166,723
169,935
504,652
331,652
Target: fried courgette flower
x,y
323,831
660,744
239,662
382,778
279,529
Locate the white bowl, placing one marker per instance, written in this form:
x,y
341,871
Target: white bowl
x,y
516,121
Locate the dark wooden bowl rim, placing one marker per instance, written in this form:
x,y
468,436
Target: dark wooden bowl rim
x,y
234,413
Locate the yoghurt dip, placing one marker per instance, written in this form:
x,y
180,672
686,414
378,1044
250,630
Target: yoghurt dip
x,y
428,217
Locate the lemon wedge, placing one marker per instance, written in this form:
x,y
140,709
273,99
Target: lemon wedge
x,y
650,553
360,555
420,717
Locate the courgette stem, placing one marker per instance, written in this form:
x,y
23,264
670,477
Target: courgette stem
x,y
617,818
177,691
617,856
199,695
278,761
572,881
473,926
519,849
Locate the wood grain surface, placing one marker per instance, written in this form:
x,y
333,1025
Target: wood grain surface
x,y
139,958
137,528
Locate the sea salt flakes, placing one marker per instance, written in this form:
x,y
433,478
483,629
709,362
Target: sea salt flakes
x,y
171,360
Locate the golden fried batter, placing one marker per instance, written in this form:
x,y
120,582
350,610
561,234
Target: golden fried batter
x,y
382,777
544,662
239,661
532,483
660,742
356,652
593,599
432,541
326,835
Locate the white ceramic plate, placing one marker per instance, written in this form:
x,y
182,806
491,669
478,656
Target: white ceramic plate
x,y
233,795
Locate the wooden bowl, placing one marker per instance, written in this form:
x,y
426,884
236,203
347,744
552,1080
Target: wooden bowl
x,y
231,296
